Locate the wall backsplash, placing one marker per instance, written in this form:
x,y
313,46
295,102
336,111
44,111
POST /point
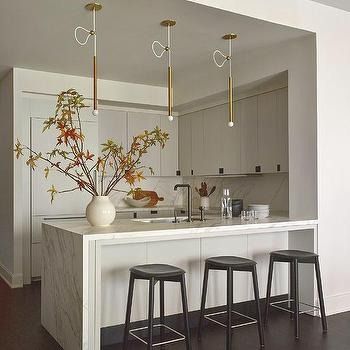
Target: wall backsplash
x,y
270,189
164,186
265,189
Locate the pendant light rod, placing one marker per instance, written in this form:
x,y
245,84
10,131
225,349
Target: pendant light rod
x,y
227,58
168,23
93,7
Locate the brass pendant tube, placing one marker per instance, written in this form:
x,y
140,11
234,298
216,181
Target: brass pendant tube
x,y
95,83
170,91
230,102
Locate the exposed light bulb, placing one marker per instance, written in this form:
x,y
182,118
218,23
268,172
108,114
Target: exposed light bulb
x,y
170,117
95,112
230,124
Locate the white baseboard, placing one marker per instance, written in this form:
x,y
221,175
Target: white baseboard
x,y
13,280
337,303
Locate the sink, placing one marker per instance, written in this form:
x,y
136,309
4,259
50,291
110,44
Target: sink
x,y
162,220
167,220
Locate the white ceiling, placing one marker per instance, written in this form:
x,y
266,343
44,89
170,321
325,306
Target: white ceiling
x,y
38,35
342,4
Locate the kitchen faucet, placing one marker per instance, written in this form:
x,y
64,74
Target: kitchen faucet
x,y
189,199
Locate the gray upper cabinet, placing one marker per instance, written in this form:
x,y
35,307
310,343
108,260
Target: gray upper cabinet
x,y
211,149
221,143
197,143
267,132
138,122
273,131
229,141
282,130
112,126
258,142
122,126
248,110
169,154
185,145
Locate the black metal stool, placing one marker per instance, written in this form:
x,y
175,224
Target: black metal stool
x,y
294,257
230,264
154,273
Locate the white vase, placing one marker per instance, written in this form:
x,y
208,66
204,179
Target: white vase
x,y
205,203
100,211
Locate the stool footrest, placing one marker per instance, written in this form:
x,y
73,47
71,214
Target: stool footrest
x,y
180,338
211,317
277,305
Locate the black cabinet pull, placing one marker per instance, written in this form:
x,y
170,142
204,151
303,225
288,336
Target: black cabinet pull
x,y
221,170
278,167
153,212
191,171
135,215
178,172
258,169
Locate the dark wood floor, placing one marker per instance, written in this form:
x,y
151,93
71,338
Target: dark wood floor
x,y
20,329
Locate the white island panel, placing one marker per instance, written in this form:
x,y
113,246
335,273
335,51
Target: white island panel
x,y
186,255
231,245
116,261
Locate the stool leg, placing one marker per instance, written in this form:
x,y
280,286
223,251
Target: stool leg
x,y
185,313
204,297
291,288
128,311
257,302
268,289
229,308
162,316
296,298
320,295
150,313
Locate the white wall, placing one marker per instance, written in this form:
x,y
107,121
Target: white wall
x,y
332,28
6,176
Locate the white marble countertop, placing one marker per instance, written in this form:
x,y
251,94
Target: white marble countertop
x,y
128,229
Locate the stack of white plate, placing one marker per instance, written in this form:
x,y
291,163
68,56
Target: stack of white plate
x,y
262,211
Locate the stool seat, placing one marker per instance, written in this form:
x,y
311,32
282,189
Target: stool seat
x,y
230,261
290,255
157,271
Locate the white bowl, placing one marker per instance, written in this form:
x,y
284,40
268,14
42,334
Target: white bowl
x,y
137,203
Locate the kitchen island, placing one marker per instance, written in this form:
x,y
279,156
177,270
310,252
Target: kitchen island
x,y
85,269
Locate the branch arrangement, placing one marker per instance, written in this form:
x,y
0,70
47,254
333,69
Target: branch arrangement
x,y
71,158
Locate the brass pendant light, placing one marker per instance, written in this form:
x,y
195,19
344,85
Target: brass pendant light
x,y
93,7
228,58
168,23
